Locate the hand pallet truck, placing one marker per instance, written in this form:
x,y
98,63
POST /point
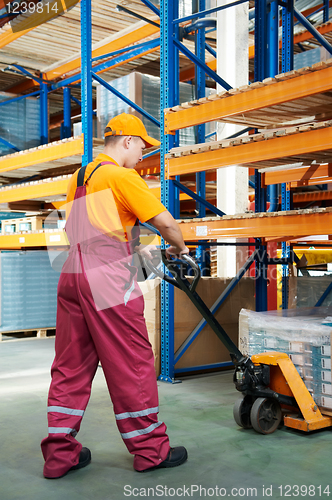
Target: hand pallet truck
x,y
272,389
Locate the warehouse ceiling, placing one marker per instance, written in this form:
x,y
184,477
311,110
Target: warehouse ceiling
x,y
52,43
58,41
48,44
60,38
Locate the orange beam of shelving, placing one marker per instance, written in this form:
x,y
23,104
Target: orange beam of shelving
x,y
22,24
313,196
277,225
311,182
280,147
34,239
276,93
150,165
210,177
50,152
301,176
32,191
23,86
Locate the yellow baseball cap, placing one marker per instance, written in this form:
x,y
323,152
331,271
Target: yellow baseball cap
x,y
126,124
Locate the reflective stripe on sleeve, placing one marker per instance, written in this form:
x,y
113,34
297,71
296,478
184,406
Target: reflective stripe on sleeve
x,y
66,411
134,414
62,430
139,432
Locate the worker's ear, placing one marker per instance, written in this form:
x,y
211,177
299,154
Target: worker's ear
x,y
126,142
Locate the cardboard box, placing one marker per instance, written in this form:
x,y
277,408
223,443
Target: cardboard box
x,y
206,348
151,293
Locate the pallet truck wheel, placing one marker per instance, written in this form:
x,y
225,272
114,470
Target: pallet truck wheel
x,y
241,411
265,415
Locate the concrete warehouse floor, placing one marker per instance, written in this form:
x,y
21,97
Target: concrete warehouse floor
x,y
199,415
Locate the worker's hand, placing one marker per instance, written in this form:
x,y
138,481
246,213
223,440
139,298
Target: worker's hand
x,y
146,251
173,251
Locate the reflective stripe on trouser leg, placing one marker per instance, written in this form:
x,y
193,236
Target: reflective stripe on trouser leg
x,y
62,430
140,432
66,411
135,414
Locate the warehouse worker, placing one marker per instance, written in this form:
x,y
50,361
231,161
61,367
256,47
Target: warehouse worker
x,y
100,307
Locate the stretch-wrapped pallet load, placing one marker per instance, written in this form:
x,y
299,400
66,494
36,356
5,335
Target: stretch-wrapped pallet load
x,y
19,124
28,288
303,334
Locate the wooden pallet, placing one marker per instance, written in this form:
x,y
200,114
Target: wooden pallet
x,y
43,160
259,215
12,187
280,147
213,261
248,139
247,88
275,115
41,333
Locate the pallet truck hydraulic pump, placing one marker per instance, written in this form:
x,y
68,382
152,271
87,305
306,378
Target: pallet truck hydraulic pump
x,y
272,389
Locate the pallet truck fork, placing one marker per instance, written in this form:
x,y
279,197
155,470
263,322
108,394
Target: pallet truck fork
x,y
272,389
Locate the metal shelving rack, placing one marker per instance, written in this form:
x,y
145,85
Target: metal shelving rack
x,y
271,92
201,158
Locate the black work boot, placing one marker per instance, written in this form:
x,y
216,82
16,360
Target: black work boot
x,y
84,460
176,456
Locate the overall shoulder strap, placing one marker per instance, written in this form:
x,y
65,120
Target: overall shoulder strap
x,y
81,172
80,176
99,165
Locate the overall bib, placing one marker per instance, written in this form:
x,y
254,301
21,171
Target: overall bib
x,y
100,318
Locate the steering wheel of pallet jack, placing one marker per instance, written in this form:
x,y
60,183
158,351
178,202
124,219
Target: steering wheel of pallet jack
x,y
241,411
265,415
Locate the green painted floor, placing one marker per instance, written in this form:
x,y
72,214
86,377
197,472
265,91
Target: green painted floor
x,y
224,460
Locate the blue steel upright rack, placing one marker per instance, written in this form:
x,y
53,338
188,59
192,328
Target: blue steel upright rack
x,y
266,65
169,95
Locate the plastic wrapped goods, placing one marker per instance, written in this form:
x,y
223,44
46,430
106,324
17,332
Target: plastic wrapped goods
x,y
28,291
20,124
304,334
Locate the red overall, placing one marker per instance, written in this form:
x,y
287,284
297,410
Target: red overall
x,y
98,273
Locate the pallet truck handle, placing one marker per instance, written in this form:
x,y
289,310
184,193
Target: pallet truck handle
x,y
170,265
195,267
